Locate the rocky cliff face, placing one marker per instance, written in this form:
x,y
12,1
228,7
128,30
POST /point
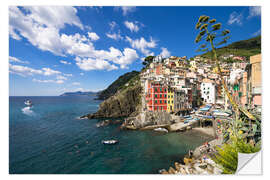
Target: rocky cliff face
x,y
147,119
124,103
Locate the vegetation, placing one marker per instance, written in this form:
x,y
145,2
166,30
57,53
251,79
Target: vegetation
x,y
244,48
116,85
227,155
243,133
147,61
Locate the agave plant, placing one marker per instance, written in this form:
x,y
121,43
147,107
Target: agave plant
x,y
210,32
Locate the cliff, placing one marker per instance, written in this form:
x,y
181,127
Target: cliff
x,y
124,103
117,85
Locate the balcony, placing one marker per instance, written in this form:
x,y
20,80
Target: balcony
x,y
256,90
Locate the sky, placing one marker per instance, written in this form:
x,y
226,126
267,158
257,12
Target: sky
x,y
60,49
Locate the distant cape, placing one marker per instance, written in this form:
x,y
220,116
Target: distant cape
x,y
80,93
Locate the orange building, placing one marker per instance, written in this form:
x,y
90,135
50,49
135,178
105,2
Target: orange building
x,y
156,97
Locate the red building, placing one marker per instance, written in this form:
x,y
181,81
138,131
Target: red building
x,y
156,97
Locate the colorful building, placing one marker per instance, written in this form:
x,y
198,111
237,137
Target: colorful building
x,y
256,79
170,100
156,97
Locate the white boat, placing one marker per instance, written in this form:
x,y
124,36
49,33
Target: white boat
x,y
112,141
28,103
161,130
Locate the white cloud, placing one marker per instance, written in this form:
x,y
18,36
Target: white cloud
x,y
27,71
128,9
81,74
129,55
112,25
45,35
14,59
49,72
59,77
64,62
93,36
48,81
68,75
115,36
165,53
89,64
254,11
76,83
235,18
131,26
24,70
142,45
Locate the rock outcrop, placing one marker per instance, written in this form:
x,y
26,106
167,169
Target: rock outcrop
x,y
148,120
123,104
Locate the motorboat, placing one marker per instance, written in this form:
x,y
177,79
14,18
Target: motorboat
x,y
28,103
161,130
110,142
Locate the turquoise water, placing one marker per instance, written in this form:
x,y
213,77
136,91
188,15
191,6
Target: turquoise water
x,y
50,139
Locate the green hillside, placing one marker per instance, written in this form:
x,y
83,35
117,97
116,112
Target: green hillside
x,y
117,84
245,48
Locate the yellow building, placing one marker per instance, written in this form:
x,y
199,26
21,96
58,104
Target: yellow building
x,y
170,100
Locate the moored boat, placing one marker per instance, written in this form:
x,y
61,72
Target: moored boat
x,y
110,142
28,102
161,130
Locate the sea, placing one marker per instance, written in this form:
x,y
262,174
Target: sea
x,y
49,138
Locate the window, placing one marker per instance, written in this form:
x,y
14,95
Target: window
x,y
165,101
160,89
155,101
155,89
172,102
168,96
160,108
160,101
168,102
160,95
165,95
156,95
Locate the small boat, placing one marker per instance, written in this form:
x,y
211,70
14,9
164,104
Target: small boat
x,y
28,103
161,130
112,141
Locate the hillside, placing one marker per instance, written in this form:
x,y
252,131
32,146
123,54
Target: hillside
x,y
79,93
117,85
245,48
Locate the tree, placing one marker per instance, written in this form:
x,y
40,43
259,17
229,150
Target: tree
x,y
210,32
148,60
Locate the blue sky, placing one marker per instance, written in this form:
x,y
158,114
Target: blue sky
x,y
58,49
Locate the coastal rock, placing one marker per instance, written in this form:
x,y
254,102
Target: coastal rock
x,y
122,104
149,120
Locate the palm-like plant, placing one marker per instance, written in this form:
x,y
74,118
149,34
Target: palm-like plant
x,y
210,32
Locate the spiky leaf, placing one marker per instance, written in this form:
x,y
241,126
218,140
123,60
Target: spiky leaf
x,y
212,21
203,26
198,25
225,32
216,26
205,19
201,18
203,46
198,38
204,50
202,33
